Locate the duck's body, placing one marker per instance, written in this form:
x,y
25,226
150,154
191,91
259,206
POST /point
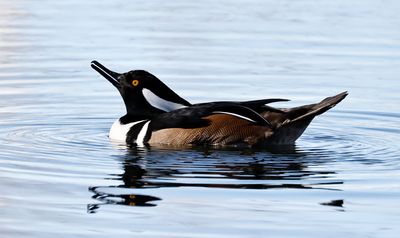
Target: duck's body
x,y
157,115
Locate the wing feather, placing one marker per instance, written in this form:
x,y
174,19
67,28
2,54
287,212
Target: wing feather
x,y
194,116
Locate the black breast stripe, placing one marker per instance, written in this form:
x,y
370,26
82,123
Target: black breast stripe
x,y
133,133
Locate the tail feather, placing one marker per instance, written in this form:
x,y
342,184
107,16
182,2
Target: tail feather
x,y
292,122
312,110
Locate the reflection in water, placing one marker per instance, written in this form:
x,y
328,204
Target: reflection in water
x,y
335,203
234,168
119,199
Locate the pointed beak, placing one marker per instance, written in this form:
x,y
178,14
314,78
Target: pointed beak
x,y
106,73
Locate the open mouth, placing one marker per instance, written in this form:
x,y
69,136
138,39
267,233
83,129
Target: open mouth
x,y
106,73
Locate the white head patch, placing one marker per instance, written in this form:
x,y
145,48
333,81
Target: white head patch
x,y
160,103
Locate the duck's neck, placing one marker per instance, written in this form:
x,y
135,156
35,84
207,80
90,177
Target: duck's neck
x,y
130,118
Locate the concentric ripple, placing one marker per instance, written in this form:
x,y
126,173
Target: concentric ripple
x,y
366,137
47,148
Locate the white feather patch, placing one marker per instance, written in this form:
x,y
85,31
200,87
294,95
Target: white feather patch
x,y
235,115
142,134
118,131
160,103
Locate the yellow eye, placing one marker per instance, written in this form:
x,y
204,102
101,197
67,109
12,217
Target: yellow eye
x,y
135,82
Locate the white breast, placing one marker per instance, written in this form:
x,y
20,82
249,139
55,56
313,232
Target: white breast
x,y
118,131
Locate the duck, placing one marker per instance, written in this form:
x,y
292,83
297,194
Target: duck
x,y
156,115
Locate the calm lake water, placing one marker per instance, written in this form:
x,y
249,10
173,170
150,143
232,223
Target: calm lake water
x,y
60,176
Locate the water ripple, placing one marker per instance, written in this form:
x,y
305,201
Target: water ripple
x,y
162,167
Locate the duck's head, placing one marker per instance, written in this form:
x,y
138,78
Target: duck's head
x,y
144,94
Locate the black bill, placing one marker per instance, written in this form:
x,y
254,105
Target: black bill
x,y
106,73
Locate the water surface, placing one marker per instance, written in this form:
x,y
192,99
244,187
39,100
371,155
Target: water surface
x,y
61,176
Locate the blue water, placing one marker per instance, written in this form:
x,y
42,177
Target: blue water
x,y
61,176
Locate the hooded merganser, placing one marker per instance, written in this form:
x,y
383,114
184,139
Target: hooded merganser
x,y
157,115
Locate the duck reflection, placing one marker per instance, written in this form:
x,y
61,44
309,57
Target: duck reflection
x,y
152,168
119,199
